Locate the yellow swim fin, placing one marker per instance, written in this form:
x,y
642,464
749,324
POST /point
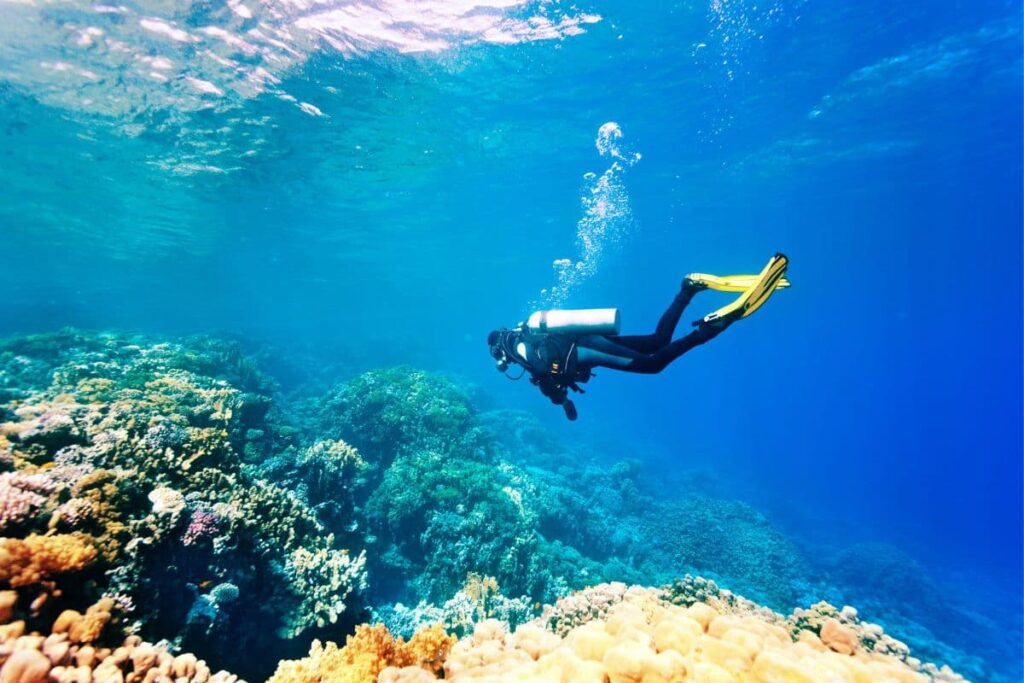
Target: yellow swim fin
x,y
730,283
764,285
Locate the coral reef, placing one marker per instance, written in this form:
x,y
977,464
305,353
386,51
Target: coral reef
x,y
72,651
176,491
589,604
386,412
724,537
540,532
479,600
142,459
456,515
617,634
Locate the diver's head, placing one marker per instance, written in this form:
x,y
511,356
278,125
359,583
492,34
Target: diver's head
x,y
496,344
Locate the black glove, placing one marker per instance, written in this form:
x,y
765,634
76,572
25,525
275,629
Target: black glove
x,y
550,388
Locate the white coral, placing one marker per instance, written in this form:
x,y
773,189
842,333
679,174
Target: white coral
x,y
324,578
166,501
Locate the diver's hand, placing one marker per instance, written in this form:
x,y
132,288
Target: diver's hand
x,y
570,410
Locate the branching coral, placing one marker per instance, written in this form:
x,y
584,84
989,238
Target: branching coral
x,y
29,561
328,475
203,525
105,500
324,579
330,464
272,518
691,590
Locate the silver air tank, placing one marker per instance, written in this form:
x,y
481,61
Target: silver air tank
x,y
575,322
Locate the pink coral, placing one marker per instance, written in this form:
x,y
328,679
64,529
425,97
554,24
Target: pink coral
x,y
37,483
75,511
20,496
204,524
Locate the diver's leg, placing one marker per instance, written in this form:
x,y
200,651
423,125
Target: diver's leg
x,y
654,363
599,351
607,353
649,343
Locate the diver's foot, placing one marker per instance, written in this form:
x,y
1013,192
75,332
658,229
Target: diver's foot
x,y
694,282
570,410
753,297
716,321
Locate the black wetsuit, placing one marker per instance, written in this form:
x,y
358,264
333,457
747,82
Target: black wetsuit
x,y
562,359
646,353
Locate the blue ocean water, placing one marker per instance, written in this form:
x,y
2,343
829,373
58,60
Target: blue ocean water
x,y
376,191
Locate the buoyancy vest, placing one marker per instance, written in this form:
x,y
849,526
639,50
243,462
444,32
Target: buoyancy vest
x,y
550,354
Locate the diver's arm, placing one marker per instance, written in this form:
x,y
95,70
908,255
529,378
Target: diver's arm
x,y
558,394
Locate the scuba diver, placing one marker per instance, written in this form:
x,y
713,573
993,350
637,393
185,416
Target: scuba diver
x,y
560,348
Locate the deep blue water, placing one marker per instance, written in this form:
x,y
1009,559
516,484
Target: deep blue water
x,y
877,144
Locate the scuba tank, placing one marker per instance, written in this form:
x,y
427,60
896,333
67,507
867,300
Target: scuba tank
x,y
577,322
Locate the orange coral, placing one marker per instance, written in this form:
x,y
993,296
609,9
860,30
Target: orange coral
x,y
366,653
40,558
839,638
84,628
427,649
26,666
7,602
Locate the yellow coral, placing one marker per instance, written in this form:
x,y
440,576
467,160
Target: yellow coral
x,y
101,489
480,589
366,653
642,642
41,558
95,388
